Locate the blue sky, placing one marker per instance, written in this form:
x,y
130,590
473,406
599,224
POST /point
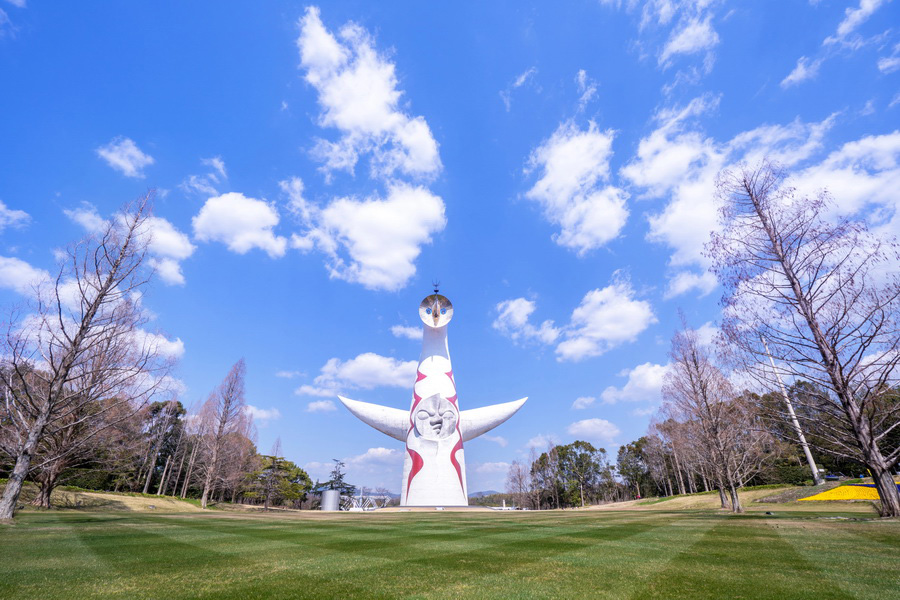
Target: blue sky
x,y
552,164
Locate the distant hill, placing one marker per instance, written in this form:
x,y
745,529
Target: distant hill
x,y
483,494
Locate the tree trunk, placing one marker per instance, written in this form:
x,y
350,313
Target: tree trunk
x,y
48,481
178,474
678,471
42,500
190,471
722,498
735,500
887,491
165,476
23,464
150,469
209,483
890,503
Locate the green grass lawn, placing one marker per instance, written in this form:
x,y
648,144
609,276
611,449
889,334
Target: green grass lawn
x,y
571,554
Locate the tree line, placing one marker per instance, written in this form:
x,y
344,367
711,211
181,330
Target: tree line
x,y
89,400
803,375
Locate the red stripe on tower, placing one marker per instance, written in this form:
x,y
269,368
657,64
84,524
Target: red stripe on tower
x,y
456,448
417,465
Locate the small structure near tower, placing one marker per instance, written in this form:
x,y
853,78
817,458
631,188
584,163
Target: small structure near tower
x,y
434,429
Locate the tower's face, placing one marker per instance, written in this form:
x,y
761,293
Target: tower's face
x,y
435,310
435,418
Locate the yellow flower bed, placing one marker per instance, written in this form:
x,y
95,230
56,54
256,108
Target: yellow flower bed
x,y
847,492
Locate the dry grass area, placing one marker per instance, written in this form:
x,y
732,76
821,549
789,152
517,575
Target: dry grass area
x,y
108,501
753,500
74,499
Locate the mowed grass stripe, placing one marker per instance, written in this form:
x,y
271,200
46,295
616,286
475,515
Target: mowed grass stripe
x,y
861,558
741,557
600,565
577,554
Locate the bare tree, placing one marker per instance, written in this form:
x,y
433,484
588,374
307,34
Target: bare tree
x,y
83,342
698,394
824,297
518,482
225,414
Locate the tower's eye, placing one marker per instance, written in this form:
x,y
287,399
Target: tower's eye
x,y
443,311
427,311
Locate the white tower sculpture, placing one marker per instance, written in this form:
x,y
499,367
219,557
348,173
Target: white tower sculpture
x,y
434,429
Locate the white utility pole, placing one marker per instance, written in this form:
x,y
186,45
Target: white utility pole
x,y
787,400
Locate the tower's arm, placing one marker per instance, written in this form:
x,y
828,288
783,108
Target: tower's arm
x,y
476,421
391,421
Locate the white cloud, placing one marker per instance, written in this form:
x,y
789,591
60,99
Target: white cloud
x,y
405,331
383,463
804,70
17,3
321,406
6,26
644,385
169,247
376,457
21,277
288,374
87,216
606,318
594,430
366,371
217,164
574,189
375,241
512,321
678,162
695,35
542,441
311,390
158,343
706,334
689,30
889,64
199,184
12,218
207,185
241,223
357,91
497,439
492,467
861,175
845,36
522,79
668,152
123,155
853,18
685,281
583,402
262,414
587,87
